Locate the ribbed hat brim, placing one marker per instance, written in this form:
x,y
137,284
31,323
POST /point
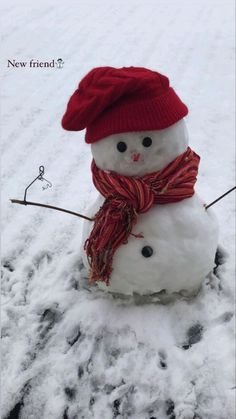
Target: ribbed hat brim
x,y
151,114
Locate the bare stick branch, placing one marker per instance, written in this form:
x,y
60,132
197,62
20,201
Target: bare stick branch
x,y
220,197
37,204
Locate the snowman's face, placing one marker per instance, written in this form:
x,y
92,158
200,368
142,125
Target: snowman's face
x,y
139,153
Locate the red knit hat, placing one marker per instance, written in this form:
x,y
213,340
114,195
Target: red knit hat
x,y
113,100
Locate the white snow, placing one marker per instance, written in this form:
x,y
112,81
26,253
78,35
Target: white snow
x,y
166,145
69,350
183,236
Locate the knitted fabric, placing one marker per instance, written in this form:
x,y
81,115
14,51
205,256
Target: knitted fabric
x,y
112,100
125,198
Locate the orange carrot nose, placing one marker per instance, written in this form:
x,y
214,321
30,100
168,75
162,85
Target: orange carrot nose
x,y
136,157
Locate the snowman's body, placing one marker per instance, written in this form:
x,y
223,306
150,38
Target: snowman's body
x,y
180,239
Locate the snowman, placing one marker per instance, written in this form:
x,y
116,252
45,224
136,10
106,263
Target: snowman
x,y
151,233
60,63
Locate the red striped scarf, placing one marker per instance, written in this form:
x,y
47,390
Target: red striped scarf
x,y
128,196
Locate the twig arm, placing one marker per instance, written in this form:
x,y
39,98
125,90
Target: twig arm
x,y
37,204
220,197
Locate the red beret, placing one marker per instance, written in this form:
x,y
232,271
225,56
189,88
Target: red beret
x,y
112,100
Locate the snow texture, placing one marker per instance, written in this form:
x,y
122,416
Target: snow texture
x,y
182,237
69,350
167,144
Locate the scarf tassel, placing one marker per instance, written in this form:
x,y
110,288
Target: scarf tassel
x,y
113,225
125,198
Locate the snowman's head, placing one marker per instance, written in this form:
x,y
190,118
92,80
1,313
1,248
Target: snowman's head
x,y
140,153
133,119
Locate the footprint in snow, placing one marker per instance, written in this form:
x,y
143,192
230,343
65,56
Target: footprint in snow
x,y
162,360
194,335
8,265
220,259
48,319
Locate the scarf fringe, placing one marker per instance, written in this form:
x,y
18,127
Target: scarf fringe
x,y
126,197
113,225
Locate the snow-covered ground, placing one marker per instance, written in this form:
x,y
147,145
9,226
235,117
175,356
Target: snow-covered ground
x,y
68,350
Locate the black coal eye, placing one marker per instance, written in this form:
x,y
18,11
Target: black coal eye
x,y
147,142
121,147
147,251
